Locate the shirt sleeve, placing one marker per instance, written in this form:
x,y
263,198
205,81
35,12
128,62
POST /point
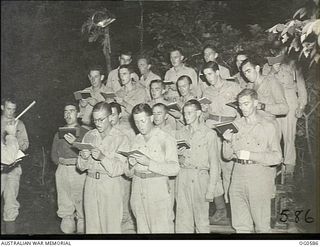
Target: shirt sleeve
x,y
54,149
280,106
170,166
214,163
117,165
22,136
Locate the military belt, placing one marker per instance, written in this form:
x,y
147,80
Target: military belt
x,y
96,175
195,168
244,162
68,161
147,175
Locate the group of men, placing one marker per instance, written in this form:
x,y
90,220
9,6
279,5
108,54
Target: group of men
x,y
155,168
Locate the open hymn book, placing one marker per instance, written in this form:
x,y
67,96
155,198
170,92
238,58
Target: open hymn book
x,y
19,157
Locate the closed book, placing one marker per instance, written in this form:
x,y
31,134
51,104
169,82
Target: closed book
x,y
83,146
221,128
66,130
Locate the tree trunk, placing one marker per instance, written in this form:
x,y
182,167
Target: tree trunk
x,y
107,50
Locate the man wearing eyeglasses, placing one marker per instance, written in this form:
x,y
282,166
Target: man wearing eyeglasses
x,y
103,190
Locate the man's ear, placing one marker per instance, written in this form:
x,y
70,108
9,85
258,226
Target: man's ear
x,y
182,57
149,66
218,72
257,68
255,103
216,55
151,118
2,107
166,116
120,115
198,113
102,77
78,115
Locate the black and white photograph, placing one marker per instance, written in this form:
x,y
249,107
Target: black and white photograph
x,y
174,119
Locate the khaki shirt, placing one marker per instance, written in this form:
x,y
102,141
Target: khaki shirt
x,y
260,138
227,93
113,80
204,151
86,111
291,79
9,149
161,148
146,82
173,75
136,96
21,133
113,163
270,92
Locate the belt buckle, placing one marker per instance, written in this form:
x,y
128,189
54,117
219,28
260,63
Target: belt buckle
x,y
97,176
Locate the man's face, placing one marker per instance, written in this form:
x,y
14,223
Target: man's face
x,y
247,105
101,120
211,76
190,113
143,122
250,72
176,58
240,59
70,114
9,109
114,117
156,90
125,59
159,115
95,78
124,75
143,66
209,55
183,87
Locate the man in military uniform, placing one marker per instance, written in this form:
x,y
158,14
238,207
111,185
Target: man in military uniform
x,y
291,78
220,92
69,180
113,80
150,198
199,172
239,77
96,77
10,181
104,166
254,149
144,65
178,69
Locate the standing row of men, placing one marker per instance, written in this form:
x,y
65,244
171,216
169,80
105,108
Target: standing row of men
x,y
167,188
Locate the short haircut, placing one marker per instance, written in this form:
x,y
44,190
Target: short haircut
x,y
193,102
157,81
116,105
143,107
96,68
161,105
9,98
144,56
254,60
176,48
248,92
128,67
212,47
73,103
126,53
211,65
102,106
243,52
185,77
